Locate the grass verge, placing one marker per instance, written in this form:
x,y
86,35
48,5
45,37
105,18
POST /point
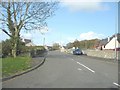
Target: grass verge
x,y
11,66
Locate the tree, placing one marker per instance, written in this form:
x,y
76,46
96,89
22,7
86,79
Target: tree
x,y
76,43
15,16
69,45
84,44
55,46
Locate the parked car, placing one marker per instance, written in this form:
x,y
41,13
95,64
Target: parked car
x,y
77,52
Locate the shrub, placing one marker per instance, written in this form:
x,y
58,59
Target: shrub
x,y
7,47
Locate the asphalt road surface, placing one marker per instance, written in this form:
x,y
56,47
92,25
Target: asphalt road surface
x,y
62,70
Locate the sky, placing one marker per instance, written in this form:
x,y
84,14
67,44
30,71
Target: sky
x,y
76,20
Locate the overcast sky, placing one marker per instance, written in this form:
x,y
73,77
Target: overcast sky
x,y
77,20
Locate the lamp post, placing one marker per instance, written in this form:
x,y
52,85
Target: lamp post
x,y
116,54
115,47
44,40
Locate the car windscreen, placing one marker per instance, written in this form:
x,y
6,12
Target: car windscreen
x,y
77,50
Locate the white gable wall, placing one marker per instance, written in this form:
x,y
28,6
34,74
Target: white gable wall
x,y
111,44
30,44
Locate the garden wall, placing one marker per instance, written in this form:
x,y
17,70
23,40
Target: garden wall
x,y
109,54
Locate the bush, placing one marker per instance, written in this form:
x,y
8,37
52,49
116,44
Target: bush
x,y
7,47
37,53
22,50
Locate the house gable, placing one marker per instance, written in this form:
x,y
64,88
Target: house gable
x,y
112,44
27,42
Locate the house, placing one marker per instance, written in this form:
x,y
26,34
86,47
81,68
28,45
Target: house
x,y
62,49
110,43
30,44
49,48
46,47
102,43
114,42
27,42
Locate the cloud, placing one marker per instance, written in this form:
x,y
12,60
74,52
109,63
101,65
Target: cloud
x,y
91,35
84,5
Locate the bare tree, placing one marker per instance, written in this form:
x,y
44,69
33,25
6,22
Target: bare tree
x,y
17,16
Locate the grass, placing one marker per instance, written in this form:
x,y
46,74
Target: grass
x,y
11,66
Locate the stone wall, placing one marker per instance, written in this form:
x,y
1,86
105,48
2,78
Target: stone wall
x,y
109,54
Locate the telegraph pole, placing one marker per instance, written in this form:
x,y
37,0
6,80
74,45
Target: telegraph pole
x,y
43,31
116,56
44,40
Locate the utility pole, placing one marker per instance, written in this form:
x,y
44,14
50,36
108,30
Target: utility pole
x,y
43,34
43,31
115,47
116,56
44,40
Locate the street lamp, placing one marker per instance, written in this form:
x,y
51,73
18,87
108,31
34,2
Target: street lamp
x,y
116,54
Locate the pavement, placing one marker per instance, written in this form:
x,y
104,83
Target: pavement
x,y
62,70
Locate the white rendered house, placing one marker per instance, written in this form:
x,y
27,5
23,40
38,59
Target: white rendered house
x,y
113,43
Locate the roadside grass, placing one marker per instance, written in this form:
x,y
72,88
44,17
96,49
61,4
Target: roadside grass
x,y
11,66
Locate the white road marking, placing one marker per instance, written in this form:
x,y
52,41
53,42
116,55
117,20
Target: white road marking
x,y
72,59
86,67
79,69
116,84
78,62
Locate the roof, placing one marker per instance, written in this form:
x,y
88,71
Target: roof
x,y
49,46
103,42
118,37
27,41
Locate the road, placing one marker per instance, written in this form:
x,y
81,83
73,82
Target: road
x,y
62,70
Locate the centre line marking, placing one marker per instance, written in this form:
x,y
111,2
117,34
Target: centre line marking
x,y
86,67
116,84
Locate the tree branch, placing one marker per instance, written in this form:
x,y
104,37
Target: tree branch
x,y
6,32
